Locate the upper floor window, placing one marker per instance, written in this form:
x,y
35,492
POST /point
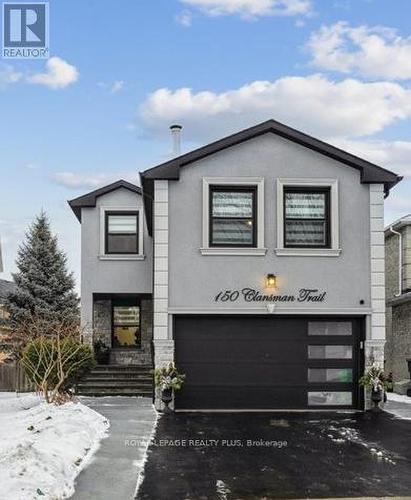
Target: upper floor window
x,y
306,217
121,232
233,219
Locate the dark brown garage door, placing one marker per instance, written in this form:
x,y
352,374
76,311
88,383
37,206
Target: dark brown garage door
x,y
260,362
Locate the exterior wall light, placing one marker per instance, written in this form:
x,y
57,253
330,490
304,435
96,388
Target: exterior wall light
x,y
270,281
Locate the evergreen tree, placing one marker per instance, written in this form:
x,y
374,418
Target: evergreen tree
x,y
44,286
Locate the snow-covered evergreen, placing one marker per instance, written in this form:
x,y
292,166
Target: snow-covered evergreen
x,y
44,285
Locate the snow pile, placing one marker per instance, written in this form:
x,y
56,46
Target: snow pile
x,y
43,446
398,398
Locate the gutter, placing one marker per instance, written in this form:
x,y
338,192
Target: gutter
x,y
399,260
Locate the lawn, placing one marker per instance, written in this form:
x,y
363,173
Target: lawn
x,y
43,447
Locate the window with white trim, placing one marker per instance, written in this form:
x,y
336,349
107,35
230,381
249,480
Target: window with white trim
x,y
307,217
121,232
233,216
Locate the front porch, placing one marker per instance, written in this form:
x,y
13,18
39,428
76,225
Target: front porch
x,y
124,324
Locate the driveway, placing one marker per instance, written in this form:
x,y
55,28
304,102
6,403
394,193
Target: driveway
x,y
252,456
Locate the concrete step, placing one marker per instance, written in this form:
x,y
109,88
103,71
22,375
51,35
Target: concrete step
x,y
122,369
115,383
98,377
119,391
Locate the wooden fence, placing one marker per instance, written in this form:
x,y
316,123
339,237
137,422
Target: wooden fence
x,y
13,378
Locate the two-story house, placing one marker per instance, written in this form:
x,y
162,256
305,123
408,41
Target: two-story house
x,y
255,263
398,297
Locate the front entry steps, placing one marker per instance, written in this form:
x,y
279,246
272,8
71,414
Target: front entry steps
x,y
117,380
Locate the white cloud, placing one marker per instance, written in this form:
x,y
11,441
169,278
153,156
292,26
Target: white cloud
x,y
394,155
8,75
315,104
117,86
59,74
251,8
376,52
185,18
78,180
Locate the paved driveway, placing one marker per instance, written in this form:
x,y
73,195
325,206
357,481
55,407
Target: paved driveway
x,y
250,456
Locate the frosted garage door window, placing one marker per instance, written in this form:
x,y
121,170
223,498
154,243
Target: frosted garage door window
x,y
330,328
329,352
327,398
339,375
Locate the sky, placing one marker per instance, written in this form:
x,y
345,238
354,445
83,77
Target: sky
x,y
121,72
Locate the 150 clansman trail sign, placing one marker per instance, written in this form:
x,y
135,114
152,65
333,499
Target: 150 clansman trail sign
x,y
252,295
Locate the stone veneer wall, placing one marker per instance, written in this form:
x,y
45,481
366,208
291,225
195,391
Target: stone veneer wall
x,y
401,340
102,321
103,328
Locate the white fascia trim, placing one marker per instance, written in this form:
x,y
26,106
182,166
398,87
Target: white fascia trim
x,y
335,226
128,208
308,252
317,311
234,251
233,181
121,257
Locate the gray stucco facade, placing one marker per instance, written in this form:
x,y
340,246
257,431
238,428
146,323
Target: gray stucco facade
x,y
105,277
182,275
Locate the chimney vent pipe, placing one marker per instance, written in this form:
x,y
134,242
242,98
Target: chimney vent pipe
x,y
176,136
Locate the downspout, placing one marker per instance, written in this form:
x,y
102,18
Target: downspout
x,y
399,260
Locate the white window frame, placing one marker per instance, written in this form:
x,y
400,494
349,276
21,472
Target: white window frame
x,y
258,182
334,250
111,256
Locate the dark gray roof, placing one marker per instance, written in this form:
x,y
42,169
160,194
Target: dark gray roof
x,y
5,288
89,199
170,170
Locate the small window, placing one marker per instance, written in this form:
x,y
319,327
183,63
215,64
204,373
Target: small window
x,y
329,352
340,375
306,218
331,398
330,328
121,233
233,216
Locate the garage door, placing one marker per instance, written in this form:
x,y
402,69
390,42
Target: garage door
x,y
259,362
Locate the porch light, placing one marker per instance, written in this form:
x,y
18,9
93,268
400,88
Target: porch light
x,y
270,281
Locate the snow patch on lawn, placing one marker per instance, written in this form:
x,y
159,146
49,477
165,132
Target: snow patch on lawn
x,y
398,398
43,447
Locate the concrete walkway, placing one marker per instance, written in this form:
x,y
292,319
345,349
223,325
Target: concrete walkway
x,y
399,405
115,468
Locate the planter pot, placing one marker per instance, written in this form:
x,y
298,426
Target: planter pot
x,y
103,357
376,398
166,398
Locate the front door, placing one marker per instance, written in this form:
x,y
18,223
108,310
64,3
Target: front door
x,y
126,323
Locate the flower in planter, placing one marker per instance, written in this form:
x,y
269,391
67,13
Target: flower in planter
x,y
168,377
375,379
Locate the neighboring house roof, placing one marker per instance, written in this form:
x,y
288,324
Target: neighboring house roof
x,y
398,224
90,199
5,288
170,170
